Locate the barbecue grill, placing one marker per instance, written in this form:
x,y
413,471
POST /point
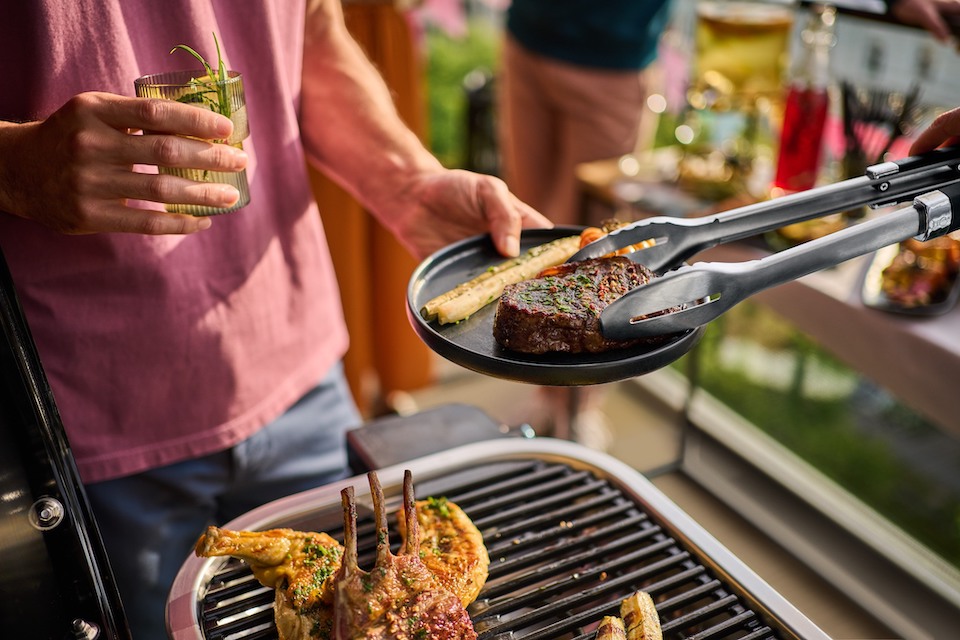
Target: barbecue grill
x,y
570,533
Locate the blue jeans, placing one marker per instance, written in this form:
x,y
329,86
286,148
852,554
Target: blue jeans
x,y
150,521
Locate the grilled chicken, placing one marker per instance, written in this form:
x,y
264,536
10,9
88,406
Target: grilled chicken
x,y
451,547
301,567
399,599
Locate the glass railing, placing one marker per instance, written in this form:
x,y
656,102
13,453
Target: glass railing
x,y
854,432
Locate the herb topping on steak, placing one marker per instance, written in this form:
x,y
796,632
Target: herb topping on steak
x,y
561,311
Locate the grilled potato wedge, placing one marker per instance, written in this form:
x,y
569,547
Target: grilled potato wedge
x,y
611,628
640,617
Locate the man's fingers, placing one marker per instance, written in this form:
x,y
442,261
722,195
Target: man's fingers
x,y
166,143
168,189
181,153
123,219
946,127
530,217
507,215
120,185
165,116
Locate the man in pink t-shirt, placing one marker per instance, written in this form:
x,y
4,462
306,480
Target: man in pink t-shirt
x,y
194,361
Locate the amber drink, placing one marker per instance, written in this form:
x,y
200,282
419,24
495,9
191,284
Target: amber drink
x,y
741,53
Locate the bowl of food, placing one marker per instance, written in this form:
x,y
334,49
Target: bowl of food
x,y
913,277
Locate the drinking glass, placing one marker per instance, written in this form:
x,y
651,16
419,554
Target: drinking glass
x,y
741,53
735,92
225,97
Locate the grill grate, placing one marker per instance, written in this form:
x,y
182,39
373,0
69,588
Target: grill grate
x,y
565,548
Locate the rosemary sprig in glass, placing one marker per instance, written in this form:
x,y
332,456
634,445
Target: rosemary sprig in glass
x,y
214,82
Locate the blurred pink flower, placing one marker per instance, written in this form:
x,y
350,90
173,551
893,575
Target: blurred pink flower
x,y
447,15
450,16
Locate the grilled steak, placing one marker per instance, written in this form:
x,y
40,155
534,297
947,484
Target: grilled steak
x,y
560,311
399,599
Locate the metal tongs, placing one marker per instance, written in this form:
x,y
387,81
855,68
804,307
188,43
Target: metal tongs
x,y
692,295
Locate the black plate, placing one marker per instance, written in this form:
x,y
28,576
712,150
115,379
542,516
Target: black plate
x,y
470,343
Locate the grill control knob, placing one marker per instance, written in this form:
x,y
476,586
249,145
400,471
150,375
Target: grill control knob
x,y
83,630
46,513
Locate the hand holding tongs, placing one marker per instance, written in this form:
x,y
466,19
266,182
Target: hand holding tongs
x,y
706,290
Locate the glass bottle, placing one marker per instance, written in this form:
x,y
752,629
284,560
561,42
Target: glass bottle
x,y
807,104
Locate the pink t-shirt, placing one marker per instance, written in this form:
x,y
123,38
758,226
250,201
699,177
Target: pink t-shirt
x,y
159,349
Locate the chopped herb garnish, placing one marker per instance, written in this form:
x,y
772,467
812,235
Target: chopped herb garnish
x,y
439,505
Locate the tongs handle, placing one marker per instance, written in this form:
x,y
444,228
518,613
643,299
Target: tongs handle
x,y
677,239
694,295
946,156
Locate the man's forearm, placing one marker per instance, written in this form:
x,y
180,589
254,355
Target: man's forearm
x,y
351,128
10,187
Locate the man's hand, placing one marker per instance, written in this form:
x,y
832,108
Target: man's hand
x,y
74,172
945,129
444,206
936,16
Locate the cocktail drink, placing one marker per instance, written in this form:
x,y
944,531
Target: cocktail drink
x,y
741,52
222,93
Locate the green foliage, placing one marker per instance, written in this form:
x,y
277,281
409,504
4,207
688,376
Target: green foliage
x,y
449,61
860,452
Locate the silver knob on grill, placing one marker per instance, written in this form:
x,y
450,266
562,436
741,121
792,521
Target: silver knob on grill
x,y
46,513
83,630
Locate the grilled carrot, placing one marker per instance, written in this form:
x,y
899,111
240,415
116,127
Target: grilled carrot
x,y
590,234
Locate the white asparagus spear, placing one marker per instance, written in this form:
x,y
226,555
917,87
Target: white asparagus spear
x,y
429,310
469,297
